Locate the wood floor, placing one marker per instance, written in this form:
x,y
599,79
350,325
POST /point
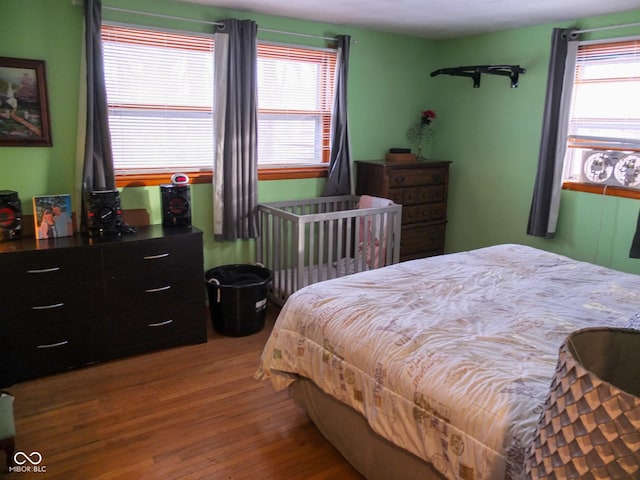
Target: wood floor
x,y
192,412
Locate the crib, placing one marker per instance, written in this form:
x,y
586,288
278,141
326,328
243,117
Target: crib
x,y
307,241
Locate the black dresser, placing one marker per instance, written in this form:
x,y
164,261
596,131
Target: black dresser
x,y
72,301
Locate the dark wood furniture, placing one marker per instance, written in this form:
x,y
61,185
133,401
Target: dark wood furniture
x,y
72,301
421,189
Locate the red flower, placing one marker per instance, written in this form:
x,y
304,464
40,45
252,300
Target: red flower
x,y
428,116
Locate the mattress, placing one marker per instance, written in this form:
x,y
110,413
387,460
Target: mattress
x,y
448,357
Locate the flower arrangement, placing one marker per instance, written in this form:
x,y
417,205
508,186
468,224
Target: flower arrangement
x,y
428,116
422,131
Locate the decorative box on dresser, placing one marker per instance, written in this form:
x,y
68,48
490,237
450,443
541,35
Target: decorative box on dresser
x,y
72,301
421,189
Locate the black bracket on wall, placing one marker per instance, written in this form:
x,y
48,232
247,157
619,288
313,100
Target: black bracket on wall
x,y
474,72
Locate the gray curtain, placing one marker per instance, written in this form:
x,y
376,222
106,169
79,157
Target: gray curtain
x,y
235,180
545,205
339,178
98,159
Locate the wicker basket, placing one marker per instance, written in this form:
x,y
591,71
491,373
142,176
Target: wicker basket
x,y
590,426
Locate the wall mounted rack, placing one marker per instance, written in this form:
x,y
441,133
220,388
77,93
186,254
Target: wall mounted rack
x,y
474,72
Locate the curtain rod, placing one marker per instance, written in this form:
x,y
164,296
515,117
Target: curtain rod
x,y
611,27
171,17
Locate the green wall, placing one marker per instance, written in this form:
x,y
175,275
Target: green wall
x,y
491,134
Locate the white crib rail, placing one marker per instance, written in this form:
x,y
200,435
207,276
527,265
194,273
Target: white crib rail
x,y
311,240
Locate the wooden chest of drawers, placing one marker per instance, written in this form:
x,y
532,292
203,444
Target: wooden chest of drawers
x,y
69,302
421,189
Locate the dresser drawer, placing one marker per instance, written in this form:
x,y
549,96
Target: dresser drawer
x,y
422,240
144,291
46,268
423,213
152,256
409,177
51,304
416,195
50,349
158,327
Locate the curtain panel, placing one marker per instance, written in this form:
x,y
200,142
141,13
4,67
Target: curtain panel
x,y
339,177
235,180
97,163
98,171
545,205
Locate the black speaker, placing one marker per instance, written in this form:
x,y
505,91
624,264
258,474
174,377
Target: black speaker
x,y
103,213
10,215
176,205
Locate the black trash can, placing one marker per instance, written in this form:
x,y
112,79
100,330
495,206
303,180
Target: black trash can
x,y
238,298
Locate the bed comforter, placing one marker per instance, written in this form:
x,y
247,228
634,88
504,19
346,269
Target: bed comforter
x,y
448,357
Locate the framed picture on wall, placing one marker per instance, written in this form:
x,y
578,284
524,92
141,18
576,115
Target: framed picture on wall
x,y
52,216
24,108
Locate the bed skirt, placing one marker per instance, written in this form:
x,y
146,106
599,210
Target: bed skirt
x,y
373,456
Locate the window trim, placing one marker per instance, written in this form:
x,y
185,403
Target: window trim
x,y
265,173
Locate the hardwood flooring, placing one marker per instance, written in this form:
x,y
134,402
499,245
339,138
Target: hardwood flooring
x,y
193,412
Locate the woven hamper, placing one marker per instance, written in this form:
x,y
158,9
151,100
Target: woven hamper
x,y
590,426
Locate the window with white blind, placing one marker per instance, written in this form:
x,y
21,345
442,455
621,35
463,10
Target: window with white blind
x,y
160,98
604,120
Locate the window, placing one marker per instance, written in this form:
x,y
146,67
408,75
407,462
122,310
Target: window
x,y
160,96
604,120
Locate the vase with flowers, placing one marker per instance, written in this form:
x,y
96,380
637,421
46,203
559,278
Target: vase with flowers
x,y
422,131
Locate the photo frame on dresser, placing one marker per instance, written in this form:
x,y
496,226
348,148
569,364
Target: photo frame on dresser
x,y
24,105
52,216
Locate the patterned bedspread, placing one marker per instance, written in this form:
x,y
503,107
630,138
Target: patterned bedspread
x,y
449,357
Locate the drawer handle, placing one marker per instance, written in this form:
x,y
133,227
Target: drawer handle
x,y
48,307
154,257
44,270
54,345
159,289
399,179
160,324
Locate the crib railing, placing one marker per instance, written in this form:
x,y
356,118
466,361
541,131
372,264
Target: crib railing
x,y
311,240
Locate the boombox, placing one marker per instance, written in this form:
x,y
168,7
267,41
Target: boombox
x,y
10,215
103,213
176,202
611,167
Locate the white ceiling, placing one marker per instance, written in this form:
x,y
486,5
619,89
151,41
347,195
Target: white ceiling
x,y
431,18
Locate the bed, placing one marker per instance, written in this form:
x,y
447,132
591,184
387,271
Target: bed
x,y
439,367
311,240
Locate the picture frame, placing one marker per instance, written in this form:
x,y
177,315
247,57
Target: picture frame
x,y
52,216
24,105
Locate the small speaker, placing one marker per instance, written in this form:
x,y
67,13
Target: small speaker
x,y
10,215
176,205
103,213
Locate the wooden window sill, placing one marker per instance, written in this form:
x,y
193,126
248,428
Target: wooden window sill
x,y
602,189
152,179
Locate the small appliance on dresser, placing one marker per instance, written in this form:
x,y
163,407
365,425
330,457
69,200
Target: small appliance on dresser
x,y
176,202
10,215
104,214
421,189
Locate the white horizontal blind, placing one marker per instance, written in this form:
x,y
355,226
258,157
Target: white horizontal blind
x,y
295,98
160,96
605,109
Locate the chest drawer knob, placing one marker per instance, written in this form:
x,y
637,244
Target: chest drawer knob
x,y
155,257
44,270
159,324
54,345
48,307
399,179
159,289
